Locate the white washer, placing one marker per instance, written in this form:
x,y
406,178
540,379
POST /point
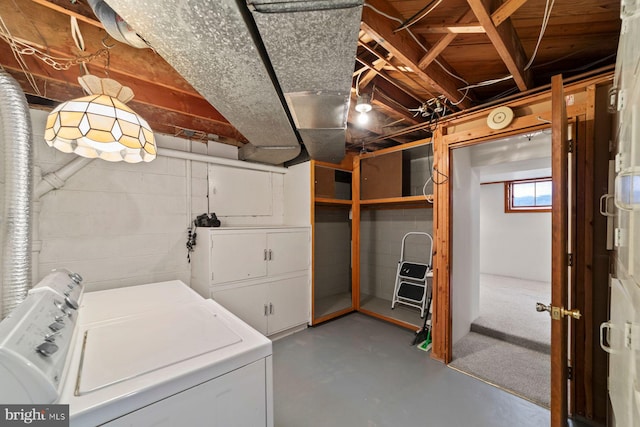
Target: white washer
x,y
156,354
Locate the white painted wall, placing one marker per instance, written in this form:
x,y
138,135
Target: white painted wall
x,y
513,244
297,195
120,224
465,266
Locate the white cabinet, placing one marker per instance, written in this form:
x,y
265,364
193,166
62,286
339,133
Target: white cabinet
x,y
269,307
262,275
240,192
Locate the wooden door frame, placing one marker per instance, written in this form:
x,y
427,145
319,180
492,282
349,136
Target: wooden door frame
x,y
559,253
531,113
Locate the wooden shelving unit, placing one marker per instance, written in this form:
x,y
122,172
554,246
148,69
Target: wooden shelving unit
x,y
385,180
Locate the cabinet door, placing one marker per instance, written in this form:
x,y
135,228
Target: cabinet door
x,y
238,256
288,303
289,252
240,192
249,303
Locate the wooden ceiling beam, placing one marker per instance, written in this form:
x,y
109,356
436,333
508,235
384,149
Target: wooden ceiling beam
x,y
368,76
472,28
436,50
505,10
160,120
445,41
506,42
396,83
82,12
407,50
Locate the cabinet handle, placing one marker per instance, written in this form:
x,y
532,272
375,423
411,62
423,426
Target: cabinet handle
x,y
270,308
270,255
266,310
265,254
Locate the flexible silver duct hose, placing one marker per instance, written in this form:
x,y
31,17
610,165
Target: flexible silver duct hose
x,y
116,26
15,223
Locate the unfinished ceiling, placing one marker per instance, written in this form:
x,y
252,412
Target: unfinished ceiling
x,y
273,76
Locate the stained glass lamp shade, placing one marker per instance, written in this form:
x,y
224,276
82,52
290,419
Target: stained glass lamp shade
x,y
100,126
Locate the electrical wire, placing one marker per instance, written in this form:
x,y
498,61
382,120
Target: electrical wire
x,y
418,16
545,20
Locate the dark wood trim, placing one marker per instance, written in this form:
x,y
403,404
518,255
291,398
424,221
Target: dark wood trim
x,y
331,316
388,319
355,234
312,184
559,280
441,348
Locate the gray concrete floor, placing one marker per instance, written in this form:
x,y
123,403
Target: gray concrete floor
x,y
360,371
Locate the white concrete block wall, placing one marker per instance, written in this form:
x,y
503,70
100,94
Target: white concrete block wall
x,y
120,224
381,233
332,252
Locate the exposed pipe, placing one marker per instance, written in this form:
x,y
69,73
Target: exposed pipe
x,y
115,25
16,219
177,154
55,180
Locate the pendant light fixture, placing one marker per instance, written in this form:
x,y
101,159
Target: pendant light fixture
x,y
101,125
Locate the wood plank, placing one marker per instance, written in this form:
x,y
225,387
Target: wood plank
x,y
441,349
559,247
160,120
406,200
588,281
506,42
52,31
471,28
321,319
436,50
381,176
505,10
80,11
355,234
387,319
312,219
406,50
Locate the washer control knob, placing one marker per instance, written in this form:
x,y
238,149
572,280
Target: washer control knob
x,y
62,308
56,326
47,348
51,337
71,303
75,277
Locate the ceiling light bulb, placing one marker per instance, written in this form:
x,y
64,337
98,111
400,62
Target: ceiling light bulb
x,y
363,118
363,105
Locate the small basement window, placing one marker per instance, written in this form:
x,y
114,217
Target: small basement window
x,y
530,195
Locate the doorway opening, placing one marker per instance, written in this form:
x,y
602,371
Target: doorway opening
x,y
501,265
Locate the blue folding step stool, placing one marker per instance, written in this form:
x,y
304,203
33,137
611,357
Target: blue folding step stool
x,y
411,286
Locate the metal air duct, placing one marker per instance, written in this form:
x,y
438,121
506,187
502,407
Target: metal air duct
x,y
312,46
16,218
277,70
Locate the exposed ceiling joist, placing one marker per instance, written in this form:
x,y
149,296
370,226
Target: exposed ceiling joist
x,y
82,11
436,50
407,50
506,42
505,10
472,28
445,41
